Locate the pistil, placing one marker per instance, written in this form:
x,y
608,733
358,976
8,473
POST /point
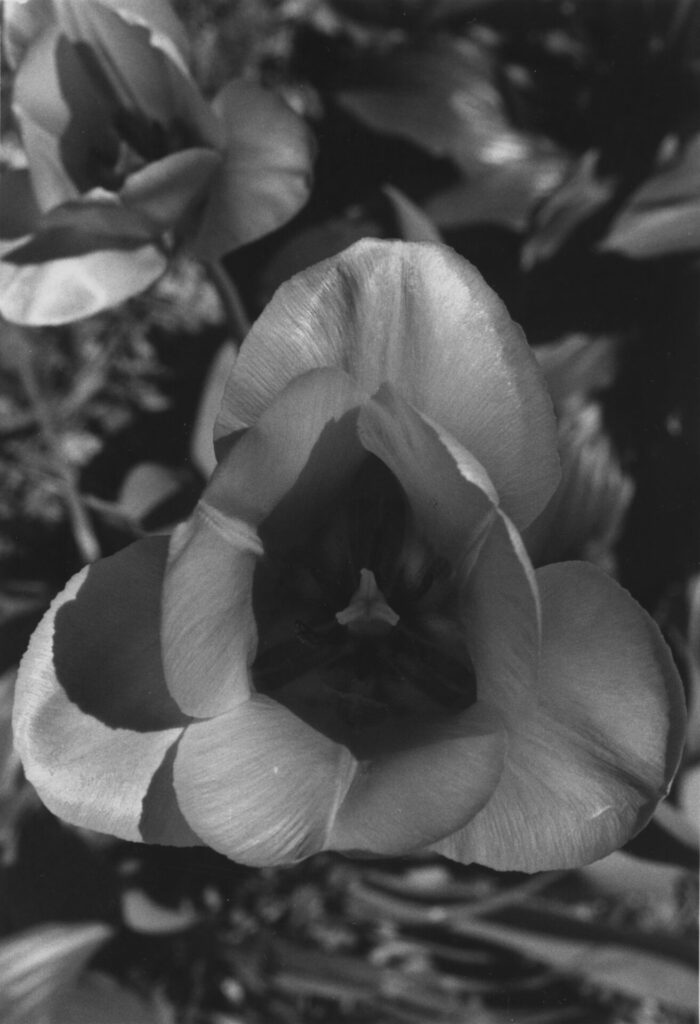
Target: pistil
x,y
368,613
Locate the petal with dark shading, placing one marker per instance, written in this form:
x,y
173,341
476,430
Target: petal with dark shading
x,y
285,472
96,653
419,317
259,785
165,190
586,767
436,778
275,483
450,494
266,174
162,821
69,288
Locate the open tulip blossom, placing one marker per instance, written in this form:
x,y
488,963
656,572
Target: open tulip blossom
x,y
346,646
128,161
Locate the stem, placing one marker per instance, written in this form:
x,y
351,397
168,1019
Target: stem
x,y
236,316
83,533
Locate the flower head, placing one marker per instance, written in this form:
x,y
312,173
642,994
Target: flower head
x,y
128,160
346,646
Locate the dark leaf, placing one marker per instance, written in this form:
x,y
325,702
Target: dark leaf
x,y
442,98
581,195
663,216
38,966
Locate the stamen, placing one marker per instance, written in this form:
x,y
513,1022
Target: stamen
x,y
368,613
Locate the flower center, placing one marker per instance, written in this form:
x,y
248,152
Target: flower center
x,y
359,626
368,613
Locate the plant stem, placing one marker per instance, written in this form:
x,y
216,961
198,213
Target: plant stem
x,y
83,533
236,316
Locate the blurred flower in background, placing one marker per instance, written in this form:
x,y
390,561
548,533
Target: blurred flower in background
x,y
346,646
128,161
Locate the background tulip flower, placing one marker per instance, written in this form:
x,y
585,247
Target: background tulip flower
x,y
127,158
346,646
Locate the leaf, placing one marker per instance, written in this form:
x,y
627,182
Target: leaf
x,y
584,517
19,213
631,972
39,965
439,96
412,224
22,603
673,821
98,999
692,661
581,195
146,486
663,216
627,877
505,195
689,793
9,761
400,12
578,364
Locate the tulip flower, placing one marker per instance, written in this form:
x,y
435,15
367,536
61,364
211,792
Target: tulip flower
x,y
346,647
127,159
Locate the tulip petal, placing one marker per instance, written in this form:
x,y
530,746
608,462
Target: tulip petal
x,y
93,719
70,94
165,30
208,629
501,616
45,118
162,821
417,316
279,477
164,191
437,777
448,490
585,769
266,174
62,290
297,459
259,785
151,80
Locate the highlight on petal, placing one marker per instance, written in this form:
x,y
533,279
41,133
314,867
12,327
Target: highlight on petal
x,y
436,778
70,288
419,317
44,117
24,20
93,719
277,479
165,30
450,494
259,785
266,174
586,767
